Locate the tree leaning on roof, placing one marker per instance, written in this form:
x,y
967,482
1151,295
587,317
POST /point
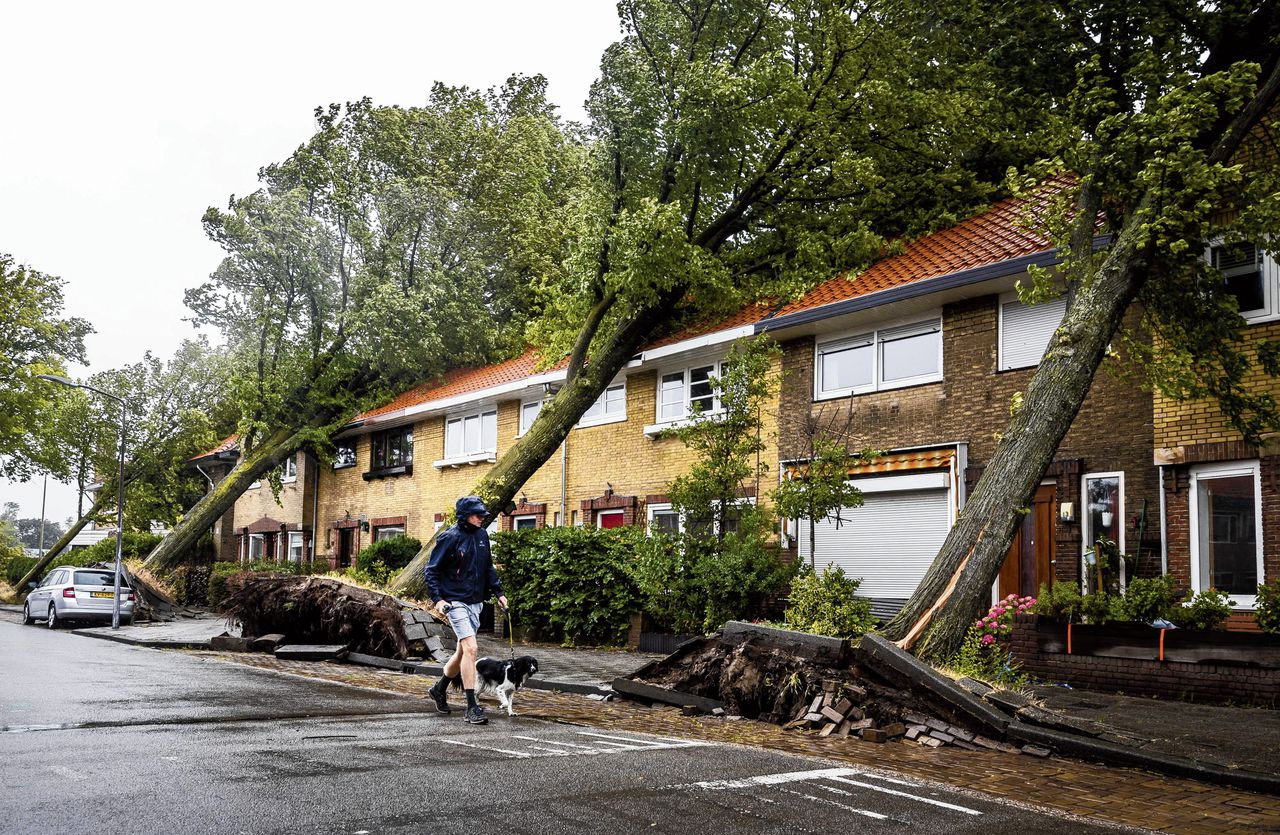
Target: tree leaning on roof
x,y
746,149
1169,129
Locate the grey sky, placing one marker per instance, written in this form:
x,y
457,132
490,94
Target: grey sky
x,y
125,120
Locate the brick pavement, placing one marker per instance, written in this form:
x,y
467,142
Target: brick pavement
x,y
1118,795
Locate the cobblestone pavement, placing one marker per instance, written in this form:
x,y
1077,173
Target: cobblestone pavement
x,y
1119,795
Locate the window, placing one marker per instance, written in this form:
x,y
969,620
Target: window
x,y
524,523
391,449
882,359
256,546
1103,516
610,518
609,407
1226,530
663,519
471,435
382,532
344,455
682,392
289,469
529,413
1025,330
295,546
1244,276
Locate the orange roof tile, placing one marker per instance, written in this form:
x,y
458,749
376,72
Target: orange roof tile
x,y
748,315
997,234
226,444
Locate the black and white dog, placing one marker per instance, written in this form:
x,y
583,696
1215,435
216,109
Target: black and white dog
x,y
504,678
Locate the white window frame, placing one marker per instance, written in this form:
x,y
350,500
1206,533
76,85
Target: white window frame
x,y
380,531
1006,298
664,508
289,469
1270,311
686,406
295,538
619,412
338,463
878,338
516,520
1211,471
535,406
1088,536
261,539
487,448
619,512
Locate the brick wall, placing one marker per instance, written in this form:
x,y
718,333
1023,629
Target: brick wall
x,y
971,405
1213,683
257,509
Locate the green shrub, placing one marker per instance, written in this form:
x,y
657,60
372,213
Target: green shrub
x,y
570,584
739,575
218,574
985,660
1063,600
16,568
828,604
1267,612
132,544
1207,610
666,580
384,558
1099,607
1147,600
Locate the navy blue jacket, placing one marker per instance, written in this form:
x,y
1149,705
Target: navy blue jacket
x,y
461,567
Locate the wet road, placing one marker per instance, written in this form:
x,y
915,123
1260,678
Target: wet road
x,y
101,737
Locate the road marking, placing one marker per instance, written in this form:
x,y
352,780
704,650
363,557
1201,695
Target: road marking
x,y
773,779
664,743
486,748
909,796
556,742
827,801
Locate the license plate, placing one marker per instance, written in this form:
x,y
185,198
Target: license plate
x,y
102,594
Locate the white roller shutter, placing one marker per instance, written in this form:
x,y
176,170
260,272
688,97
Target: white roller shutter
x,y
889,542
1025,331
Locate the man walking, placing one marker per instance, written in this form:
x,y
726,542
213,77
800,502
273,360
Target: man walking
x,y
460,576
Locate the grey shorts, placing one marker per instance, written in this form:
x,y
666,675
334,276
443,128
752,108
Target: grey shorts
x,y
465,619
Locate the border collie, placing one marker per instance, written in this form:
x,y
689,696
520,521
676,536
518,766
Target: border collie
x,y
504,678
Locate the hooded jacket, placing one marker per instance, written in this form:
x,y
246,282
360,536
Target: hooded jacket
x,y
461,568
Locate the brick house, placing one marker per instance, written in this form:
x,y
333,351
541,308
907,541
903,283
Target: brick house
x,y
400,467
258,527
1221,499
921,356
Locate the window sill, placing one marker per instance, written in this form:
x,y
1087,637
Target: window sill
x,y
653,430
583,424
465,460
344,466
839,394
389,472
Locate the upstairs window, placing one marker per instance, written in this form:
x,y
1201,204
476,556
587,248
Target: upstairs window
x,y
471,435
1025,330
1245,275
289,469
881,359
344,454
392,448
529,411
681,393
610,406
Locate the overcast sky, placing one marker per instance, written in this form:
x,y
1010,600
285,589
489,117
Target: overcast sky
x,y
124,121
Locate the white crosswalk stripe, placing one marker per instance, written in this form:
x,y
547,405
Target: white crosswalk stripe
x,y
599,744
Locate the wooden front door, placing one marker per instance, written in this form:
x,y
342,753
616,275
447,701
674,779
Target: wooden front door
x,y
1029,562
345,538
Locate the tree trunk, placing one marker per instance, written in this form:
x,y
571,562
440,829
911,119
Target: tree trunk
x,y
104,498
958,584
252,467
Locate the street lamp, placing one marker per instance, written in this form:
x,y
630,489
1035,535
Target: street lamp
x,y
63,381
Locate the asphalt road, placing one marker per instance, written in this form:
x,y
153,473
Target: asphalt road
x,y
101,737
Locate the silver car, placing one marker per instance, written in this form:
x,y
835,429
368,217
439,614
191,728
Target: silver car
x,y
69,593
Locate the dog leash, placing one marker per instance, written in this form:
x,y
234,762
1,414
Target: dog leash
x,y
510,636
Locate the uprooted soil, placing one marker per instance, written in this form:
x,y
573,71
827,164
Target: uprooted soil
x,y
760,681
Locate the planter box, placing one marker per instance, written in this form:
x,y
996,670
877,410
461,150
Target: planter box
x,y
1188,646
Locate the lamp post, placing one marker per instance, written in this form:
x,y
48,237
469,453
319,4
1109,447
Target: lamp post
x,y
53,378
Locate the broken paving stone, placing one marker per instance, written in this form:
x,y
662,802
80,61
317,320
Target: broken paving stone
x,y
310,652
415,632
690,710
854,712
975,687
266,643
895,729
842,707
732,717
1007,700
942,736
861,724
913,718
968,746
827,729
845,728
930,742
832,714
814,718
935,724
994,745
914,731
228,643
815,705
1036,751
960,733
875,735
717,711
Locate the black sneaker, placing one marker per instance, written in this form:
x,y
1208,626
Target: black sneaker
x,y
475,716
437,695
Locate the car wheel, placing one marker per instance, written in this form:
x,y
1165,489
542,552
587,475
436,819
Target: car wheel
x,y
53,622
27,619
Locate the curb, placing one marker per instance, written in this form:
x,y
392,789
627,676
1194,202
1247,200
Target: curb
x,y
157,643
1086,748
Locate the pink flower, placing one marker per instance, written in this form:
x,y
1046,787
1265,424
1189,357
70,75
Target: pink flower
x,y
987,640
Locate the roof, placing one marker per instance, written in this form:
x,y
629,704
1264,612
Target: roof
x,y
1001,233
231,443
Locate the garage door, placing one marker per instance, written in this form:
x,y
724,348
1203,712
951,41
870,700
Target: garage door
x,y
889,542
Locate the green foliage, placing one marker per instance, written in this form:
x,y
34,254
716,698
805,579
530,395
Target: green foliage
x,y
819,487
383,559
16,567
1267,612
570,584
133,544
220,571
827,604
739,574
1102,567
668,582
1099,607
1061,601
985,661
1208,609
1149,599
34,339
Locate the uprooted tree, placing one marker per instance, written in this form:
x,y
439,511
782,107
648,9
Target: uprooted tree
x,y
1169,135
745,149
391,247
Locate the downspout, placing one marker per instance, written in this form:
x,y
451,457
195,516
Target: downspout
x,y
1164,533
564,467
206,477
315,505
